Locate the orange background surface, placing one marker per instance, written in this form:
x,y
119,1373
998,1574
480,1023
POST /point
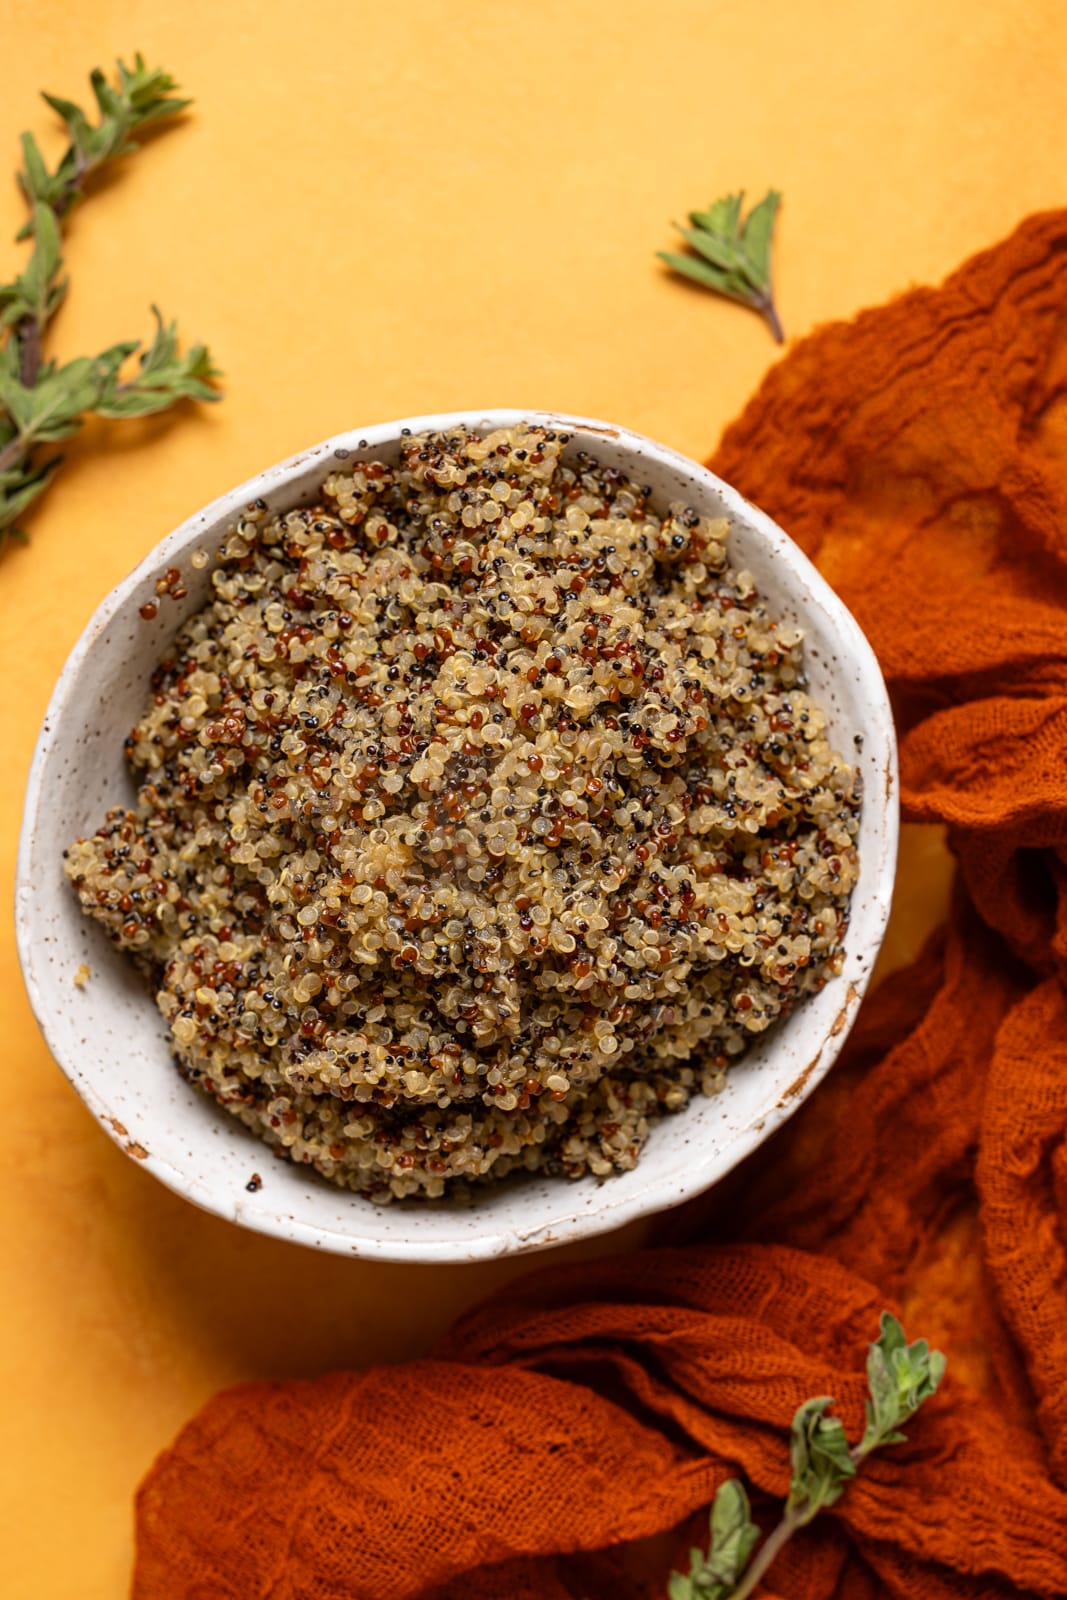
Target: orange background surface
x,y
375,211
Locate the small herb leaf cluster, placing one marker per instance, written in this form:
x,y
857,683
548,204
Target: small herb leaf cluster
x,y
900,1377
820,1458
731,255
41,400
734,1536
141,95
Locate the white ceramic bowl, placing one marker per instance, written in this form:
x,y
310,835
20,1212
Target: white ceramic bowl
x,y
110,1040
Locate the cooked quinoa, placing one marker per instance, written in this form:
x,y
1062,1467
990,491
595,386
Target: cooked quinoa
x,y
482,817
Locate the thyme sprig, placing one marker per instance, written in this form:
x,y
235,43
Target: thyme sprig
x,y
900,1377
41,401
732,255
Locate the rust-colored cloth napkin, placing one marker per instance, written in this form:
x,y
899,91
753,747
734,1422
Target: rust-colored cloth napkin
x,y
919,454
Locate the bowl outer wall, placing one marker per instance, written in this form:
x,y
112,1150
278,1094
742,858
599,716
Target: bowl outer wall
x,y
111,1042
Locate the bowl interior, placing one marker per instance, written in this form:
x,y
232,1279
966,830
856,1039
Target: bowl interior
x,y
112,1044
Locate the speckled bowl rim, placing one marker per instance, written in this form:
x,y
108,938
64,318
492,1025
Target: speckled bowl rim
x,y
616,1203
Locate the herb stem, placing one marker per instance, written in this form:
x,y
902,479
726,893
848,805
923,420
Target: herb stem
x,y
29,336
13,452
775,1541
83,166
770,314
767,1554
30,330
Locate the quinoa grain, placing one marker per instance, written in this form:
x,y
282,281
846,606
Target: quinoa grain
x,y
483,817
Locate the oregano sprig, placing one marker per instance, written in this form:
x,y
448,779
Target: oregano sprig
x,y
900,1377
42,402
731,255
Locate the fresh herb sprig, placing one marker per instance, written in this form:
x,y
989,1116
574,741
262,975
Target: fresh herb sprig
x,y
731,256
42,402
900,1376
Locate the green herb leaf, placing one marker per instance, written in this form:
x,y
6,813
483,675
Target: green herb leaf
x,y
76,121
733,1538
756,237
723,217
35,293
18,491
53,407
164,377
719,250
36,180
16,400
821,1460
733,1533
149,90
46,259
704,273
900,1377
38,279
732,257
108,99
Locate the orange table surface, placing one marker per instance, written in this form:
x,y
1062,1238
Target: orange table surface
x,y
375,211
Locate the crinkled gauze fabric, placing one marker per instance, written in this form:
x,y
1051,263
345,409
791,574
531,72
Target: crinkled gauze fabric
x,y
919,455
